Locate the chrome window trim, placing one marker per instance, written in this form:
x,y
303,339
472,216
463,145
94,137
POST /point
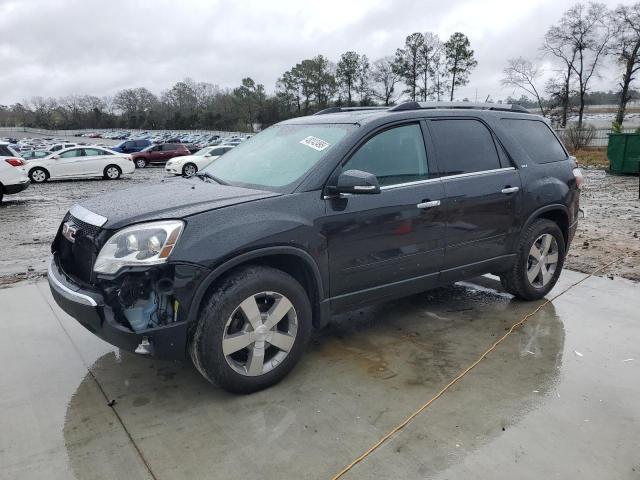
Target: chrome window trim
x,y
410,184
87,216
66,291
432,180
475,174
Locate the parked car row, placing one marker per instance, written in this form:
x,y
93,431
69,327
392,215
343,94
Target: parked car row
x,y
19,169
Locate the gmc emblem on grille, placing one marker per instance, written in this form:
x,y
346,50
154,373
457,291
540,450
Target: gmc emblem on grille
x,y
69,232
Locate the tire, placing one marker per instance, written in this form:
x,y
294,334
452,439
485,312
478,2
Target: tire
x,y
189,170
223,319
140,162
38,175
112,172
527,279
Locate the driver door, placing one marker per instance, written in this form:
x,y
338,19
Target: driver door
x,y
392,243
68,163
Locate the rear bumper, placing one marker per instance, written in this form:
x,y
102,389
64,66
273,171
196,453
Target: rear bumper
x,y
16,187
89,309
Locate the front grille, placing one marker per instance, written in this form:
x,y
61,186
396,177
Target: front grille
x,y
77,258
84,228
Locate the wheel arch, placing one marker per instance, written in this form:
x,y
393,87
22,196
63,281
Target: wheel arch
x,y
294,261
557,213
36,167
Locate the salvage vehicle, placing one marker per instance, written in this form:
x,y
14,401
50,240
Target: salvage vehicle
x,y
13,176
189,165
234,266
78,162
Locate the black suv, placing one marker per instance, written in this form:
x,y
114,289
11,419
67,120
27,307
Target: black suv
x,y
235,266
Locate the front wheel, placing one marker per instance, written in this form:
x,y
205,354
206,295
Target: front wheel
x,y
539,261
252,330
189,170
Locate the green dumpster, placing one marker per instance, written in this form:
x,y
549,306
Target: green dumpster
x,y
623,152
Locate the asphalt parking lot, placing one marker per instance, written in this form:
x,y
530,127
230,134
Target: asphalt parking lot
x,y
560,398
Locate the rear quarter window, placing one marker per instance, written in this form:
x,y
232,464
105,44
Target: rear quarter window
x,y
536,138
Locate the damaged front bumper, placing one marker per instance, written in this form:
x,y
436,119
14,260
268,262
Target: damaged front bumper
x,y
89,308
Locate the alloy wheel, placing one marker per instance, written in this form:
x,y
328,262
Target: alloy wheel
x,y
38,176
260,333
189,170
113,173
542,260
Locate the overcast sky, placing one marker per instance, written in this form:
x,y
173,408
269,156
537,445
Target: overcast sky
x,y
63,47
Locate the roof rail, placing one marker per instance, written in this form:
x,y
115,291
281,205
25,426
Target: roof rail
x,y
503,107
348,109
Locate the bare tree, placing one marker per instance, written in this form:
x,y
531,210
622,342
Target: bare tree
x,y
431,51
580,41
626,48
523,74
385,78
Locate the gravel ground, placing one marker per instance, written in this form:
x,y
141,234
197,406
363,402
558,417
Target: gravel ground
x,y
611,227
29,220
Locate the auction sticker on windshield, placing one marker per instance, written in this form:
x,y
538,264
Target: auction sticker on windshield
x,y
315,143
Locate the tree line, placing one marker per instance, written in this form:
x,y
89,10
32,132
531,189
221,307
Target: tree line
x,y
577,46
423,68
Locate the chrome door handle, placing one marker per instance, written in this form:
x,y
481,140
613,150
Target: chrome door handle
x,y
431,204
508,190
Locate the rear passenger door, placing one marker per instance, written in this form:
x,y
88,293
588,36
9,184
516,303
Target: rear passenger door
x,y
482,191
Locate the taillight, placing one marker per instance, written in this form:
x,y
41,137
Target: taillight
x,y
14,162
579,178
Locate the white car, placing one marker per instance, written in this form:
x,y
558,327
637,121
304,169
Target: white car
x,y
80,162
13,176
189,165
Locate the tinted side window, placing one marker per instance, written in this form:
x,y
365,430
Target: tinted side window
x,y
464,146
394,156
536,138
169,147
5,152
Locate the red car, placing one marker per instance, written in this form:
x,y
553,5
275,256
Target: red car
x,y
159,154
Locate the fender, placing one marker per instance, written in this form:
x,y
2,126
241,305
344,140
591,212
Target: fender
x,y
547,208
254,254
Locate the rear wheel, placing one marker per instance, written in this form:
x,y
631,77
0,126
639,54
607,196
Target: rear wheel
x,y
141,163
112,172
189,170
253,329
38,175
539,261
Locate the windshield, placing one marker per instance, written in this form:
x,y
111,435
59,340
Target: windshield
x,y
278,156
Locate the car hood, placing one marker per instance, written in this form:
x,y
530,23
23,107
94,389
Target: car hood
x,y
174,198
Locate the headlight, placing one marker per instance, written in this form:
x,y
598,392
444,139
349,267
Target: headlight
x,y
143,244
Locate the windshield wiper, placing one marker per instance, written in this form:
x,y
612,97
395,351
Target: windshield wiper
x,y
203,175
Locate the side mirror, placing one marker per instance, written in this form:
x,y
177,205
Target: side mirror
x,y
207,155
356,182
56,157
